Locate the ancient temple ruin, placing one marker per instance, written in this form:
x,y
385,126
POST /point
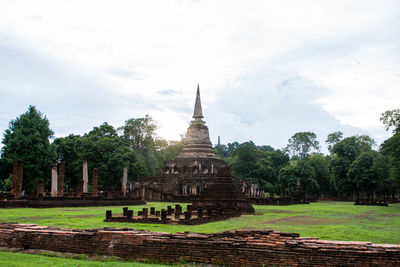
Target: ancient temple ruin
x,y
194,169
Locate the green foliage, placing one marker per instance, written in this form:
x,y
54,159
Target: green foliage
x,y
345,152
222,151
391,118
141,137
297,170
391,149
27,139
319,164
6,184
260,164
140,133
104,150
333,138
363,174
302,144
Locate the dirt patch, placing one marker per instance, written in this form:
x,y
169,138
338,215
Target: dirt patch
x,y
35,218
389,215
83,216
307,220
276,211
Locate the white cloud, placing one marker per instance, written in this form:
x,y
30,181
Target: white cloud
x,y
345,51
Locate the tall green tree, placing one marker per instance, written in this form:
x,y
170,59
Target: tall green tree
x,y
391,118
364,175
28,139
142,138
319,164
140,132
302,144
391,147
333,138
298,170
345,153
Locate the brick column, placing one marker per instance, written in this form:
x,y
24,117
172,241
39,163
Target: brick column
x,y
54,180
79,189
95,182
124,181
60,184
18,168
40,188
85,176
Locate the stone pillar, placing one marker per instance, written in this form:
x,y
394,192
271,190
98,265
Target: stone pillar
x,y
95,182
79,189
145,213
143,193
60,184
124,181
108,214
54,180
169,210
163,215
194,189
129,214
124,211
40,188
18,168
85,176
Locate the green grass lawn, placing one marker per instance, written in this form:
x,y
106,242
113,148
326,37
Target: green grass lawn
x,y
326,220
10,259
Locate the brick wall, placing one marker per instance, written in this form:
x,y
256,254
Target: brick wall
x,y
240,248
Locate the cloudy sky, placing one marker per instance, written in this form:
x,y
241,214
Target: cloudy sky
x,y
267,69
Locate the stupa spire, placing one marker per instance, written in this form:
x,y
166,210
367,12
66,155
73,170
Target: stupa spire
x,y
198,113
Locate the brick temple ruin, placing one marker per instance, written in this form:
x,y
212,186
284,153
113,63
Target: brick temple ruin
x,y
186,176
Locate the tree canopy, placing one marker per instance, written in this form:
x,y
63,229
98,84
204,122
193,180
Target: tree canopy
x,y
28,139
302,144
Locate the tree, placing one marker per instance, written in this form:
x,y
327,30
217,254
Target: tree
x,y
333,138
27,139
364,175
302,144
391,147
297,170
344,153
391,118
222,151
103,149
244,160
319,164
140,132
70,150
141,137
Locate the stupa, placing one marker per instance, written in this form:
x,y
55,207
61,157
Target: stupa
x,y
184,177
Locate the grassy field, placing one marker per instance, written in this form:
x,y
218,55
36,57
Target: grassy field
x,y
326,220
10,259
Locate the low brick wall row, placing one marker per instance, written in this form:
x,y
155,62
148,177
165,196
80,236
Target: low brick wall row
x,y
240,248
60,202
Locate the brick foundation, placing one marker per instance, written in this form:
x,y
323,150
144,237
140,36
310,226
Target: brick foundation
x,y
241,248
